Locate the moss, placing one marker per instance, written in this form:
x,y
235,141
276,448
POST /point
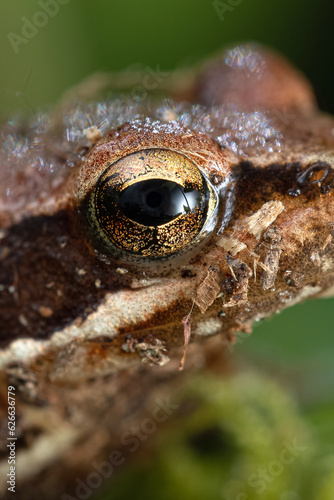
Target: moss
x,y
237,439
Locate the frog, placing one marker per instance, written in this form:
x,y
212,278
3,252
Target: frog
x,y
133,226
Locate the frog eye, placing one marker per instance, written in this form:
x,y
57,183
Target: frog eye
x,y
151,204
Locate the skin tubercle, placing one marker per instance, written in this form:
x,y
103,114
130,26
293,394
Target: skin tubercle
x,y
254,77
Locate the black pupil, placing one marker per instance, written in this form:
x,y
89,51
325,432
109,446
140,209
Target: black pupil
x,y
154,199
157,201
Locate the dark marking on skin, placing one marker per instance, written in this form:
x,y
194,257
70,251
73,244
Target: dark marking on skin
x,y
49,278
187,273
276,181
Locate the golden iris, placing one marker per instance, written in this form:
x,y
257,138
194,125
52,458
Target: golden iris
x,y
151,204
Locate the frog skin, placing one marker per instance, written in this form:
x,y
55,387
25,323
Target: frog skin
x,y
73,314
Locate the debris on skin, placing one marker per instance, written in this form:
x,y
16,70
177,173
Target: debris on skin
x,y
153,353
45,312
150,352
241,272
294,278
254,225
263,218
121,270
186,322
23,320
93,134
208,289
80,272
231,245
272,239
327,242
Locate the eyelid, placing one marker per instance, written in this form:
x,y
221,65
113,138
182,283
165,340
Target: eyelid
x,y
117,145
208,156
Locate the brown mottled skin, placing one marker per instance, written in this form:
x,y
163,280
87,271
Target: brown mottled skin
x,y
90,313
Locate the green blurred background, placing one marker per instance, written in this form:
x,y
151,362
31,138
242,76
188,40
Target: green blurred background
x,y
85,36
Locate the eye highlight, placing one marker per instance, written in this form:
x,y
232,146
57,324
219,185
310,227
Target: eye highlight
x,y
152,204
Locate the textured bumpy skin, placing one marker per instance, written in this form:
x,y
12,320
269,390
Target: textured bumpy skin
x,y
71,313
